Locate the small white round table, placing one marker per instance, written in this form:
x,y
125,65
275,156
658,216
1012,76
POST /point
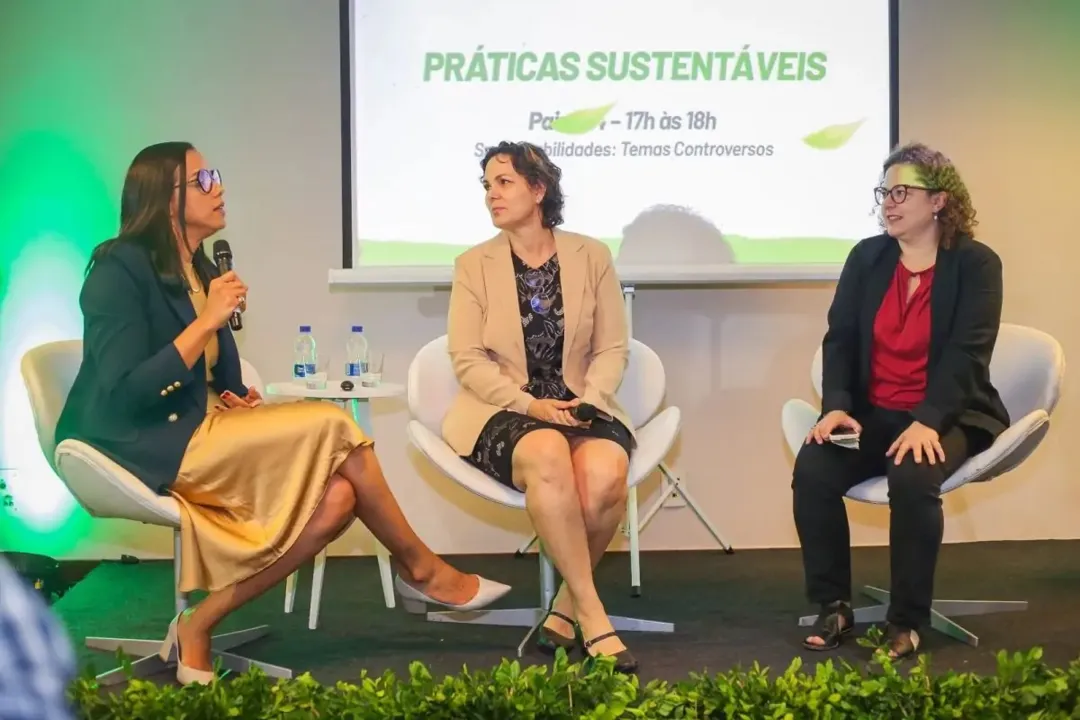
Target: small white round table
x,y
358,400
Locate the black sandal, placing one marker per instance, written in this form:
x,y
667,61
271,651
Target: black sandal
x,y
901,643
550,641
625,663
828,626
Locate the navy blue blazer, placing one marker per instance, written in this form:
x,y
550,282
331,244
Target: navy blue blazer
x,y
134,399
965,315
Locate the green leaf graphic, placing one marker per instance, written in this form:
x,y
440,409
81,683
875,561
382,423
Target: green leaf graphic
x,y
580,122
832,137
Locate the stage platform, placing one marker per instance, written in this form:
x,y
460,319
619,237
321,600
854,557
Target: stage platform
x,y
728,610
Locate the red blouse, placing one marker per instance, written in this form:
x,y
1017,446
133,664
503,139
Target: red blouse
x,y
898,357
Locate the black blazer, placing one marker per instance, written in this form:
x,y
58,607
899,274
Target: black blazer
x,y
134,398
965,314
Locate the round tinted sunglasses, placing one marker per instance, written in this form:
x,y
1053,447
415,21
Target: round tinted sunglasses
x,y
206,179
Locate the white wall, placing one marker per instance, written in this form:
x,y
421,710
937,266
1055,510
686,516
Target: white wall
x,y
262,102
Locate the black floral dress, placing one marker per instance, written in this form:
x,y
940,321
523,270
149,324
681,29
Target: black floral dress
x,y
540,299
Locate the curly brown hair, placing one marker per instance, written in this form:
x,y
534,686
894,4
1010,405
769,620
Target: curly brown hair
x,y
939,174
532,163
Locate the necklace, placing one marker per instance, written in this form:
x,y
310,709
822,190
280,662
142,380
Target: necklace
x,y
194,286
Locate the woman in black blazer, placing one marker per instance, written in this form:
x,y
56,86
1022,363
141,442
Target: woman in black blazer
x,y
911,330
261,488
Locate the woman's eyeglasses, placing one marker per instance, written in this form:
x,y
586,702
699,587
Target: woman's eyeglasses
x,y
898,193
206,179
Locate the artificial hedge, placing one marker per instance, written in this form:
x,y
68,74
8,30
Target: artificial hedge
x,y
1023,687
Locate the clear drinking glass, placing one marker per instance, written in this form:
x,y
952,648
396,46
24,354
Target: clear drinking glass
x,y
373,376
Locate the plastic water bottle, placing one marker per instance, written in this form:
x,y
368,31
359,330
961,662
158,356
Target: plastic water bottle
x,y
304,356
356,353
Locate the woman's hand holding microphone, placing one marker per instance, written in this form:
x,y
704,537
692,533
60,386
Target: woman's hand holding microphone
x,y
225,295
556,411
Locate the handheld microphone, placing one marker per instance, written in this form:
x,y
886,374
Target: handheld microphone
x,y
223,260
587,413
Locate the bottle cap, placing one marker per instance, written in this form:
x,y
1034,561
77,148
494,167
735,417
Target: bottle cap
x,y
358,328
305,328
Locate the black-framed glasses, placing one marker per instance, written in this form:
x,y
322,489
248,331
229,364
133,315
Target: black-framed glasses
x,y
898,193
206,179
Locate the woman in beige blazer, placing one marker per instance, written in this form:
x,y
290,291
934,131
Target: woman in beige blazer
x,y
537,328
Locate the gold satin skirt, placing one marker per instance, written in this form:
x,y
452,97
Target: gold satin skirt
x,y
250,481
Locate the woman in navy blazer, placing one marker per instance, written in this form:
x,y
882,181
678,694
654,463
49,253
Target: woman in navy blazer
x,y
262,488
906,357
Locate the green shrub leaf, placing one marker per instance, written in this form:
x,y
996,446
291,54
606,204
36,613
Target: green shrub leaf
x,y
1023,687
580,122
832,137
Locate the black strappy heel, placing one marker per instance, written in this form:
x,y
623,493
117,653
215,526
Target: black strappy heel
x,y
625,663
828,626
905,643
550,641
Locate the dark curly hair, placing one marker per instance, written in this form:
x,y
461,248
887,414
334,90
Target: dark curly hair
x,y
939,174
533,164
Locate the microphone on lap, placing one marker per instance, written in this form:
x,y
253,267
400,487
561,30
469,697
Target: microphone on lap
x,y
224,260
587,413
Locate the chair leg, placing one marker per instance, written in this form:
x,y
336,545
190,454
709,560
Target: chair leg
x,y
941,612
634,528
677,486
629,624
386,576
635,542
181,598
290,593
150,663
316,589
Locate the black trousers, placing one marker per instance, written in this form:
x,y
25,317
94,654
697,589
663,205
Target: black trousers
x,y
824,473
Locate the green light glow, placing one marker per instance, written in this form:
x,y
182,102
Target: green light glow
x,y
53,210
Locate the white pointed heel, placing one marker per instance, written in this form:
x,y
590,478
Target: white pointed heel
x,y
416,602
191,676
170,652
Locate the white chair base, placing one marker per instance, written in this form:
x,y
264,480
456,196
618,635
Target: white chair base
x,y
633,528
533,617
940,613
150,663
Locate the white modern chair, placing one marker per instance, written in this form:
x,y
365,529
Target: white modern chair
x,y
1027,369
432,388
107,490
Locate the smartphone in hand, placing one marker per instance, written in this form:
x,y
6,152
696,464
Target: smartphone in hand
x,y
843,433
845,437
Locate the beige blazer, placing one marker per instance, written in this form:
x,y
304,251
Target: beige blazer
x,y
487,344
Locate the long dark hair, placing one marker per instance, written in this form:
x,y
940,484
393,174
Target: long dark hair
x,y
144,208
